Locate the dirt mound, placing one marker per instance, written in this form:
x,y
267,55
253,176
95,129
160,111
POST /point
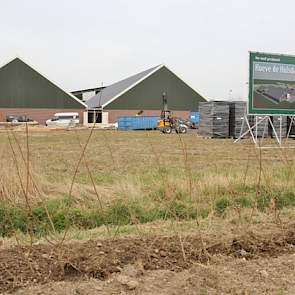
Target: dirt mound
x,y
21,266
224,275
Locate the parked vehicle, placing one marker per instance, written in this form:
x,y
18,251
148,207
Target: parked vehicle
x,y
167,122
18,119
63,120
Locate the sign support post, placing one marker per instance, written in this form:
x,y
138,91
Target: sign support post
x,y
253,130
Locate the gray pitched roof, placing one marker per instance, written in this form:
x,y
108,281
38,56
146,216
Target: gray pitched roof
x,y
113,91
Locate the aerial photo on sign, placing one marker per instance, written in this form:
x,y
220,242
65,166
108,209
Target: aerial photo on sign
x,y
272,84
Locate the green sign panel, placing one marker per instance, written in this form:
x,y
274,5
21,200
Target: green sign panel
x,y
271,84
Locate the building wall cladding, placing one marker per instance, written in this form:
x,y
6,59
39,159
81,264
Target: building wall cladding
x,y
148,94
39,115
114,114
23,87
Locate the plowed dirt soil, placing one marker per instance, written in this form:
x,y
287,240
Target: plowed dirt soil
x,y
259,261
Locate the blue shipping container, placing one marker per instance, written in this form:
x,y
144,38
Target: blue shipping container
x,y
195,117
138,122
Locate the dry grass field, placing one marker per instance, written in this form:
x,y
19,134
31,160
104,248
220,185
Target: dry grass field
x,y
168,205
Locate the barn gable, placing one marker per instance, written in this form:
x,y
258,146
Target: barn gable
x,y
23,87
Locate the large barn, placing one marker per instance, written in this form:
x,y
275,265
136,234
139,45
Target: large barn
x,y
143,94
24,91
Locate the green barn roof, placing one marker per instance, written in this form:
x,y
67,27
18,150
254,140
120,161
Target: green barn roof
x,y
23,87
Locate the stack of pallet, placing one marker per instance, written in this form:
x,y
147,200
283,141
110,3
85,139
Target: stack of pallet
x,y
214,119
237,110
224,119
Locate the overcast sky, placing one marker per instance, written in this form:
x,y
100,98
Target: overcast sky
x,y
80,44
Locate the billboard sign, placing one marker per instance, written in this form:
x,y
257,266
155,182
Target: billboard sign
x,y
271,84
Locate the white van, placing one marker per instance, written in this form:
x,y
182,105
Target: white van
x,y
63,120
